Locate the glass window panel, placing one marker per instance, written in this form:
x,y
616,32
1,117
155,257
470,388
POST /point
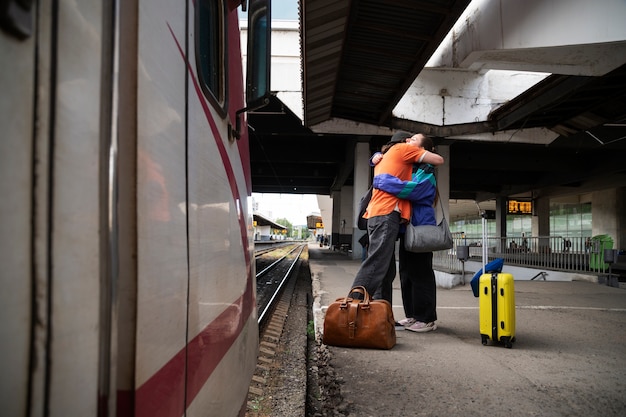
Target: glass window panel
x,y
210,49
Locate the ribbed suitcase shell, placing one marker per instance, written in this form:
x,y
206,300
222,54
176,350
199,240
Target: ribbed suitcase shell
x,y
496,305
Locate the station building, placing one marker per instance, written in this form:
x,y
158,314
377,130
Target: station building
x,y
266,229
526,101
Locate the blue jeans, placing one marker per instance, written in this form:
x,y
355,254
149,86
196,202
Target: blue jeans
x,y
379,268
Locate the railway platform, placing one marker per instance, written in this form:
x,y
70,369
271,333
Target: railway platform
x,y
568,359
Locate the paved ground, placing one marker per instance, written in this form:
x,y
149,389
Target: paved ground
x,y
569,358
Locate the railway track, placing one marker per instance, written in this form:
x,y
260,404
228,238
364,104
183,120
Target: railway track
x,y
274,269
261,249
275,287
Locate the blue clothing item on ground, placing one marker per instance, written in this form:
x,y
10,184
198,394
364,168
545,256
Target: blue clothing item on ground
x,y
493,266
377,271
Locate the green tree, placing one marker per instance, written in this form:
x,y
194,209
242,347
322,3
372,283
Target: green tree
x,y
287,224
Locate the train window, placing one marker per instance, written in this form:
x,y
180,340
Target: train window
x,y
16,17
210,50
259,53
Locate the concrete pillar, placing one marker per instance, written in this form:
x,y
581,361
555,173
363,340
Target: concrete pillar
x,y
541,223
346,216
608,215
362,181
325,204
443,181
342,217
620,215
501,209
336,197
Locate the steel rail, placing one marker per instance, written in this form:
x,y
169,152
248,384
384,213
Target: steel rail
x,y
267,269
268,307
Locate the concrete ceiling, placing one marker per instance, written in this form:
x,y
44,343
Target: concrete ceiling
x,y
359,58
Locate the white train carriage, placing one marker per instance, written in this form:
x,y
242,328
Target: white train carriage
x,y
126,240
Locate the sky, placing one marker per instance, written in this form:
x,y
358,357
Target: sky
x,y
285,9
293,207
282,10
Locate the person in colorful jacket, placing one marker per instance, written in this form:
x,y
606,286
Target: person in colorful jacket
x,y
417,278
385,213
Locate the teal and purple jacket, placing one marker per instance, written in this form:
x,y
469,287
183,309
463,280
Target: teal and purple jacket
x,y
420,191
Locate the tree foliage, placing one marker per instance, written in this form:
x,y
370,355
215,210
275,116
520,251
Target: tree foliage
x,y
287,224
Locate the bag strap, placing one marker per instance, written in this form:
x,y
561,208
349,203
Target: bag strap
x,y
443,213
353,311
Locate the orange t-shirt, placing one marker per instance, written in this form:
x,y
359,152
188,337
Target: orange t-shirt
x,y
398,161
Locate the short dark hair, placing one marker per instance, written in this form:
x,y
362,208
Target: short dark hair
x,y
387,146
428,144
400,137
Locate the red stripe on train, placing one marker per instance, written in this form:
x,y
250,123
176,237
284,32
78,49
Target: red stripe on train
x,y
162,394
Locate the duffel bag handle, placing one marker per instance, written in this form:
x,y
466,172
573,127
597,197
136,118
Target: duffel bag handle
x,y
361,290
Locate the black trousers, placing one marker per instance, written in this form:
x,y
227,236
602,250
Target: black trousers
x,y
417,280
378,270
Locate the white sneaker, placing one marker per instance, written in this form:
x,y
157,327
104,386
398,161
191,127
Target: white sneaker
x,y
407,321
421,327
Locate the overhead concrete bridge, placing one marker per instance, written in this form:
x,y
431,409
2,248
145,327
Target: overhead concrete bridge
x,y
526,101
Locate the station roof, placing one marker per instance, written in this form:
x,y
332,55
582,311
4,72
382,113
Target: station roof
x,y
359,59
261,220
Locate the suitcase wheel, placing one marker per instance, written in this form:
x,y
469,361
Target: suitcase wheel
x,y
484,339
508,343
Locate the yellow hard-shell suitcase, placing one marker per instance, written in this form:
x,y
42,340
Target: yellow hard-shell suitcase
x,y
496,305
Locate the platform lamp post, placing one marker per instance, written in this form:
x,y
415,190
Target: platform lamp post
x,y
462,254
610,257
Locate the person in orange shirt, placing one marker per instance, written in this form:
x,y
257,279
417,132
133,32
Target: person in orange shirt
x,y
386,212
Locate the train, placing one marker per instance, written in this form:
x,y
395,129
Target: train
x,y
126,244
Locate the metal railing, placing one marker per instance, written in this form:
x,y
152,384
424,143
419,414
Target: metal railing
x,y
543,252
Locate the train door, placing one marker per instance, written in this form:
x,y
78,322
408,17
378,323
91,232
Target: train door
x,y
17,79
222,327
54,212
116,171
197,333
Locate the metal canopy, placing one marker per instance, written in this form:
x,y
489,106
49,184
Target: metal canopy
x,y
286,157
360,57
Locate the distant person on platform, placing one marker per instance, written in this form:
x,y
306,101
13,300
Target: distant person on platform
x,y
386,212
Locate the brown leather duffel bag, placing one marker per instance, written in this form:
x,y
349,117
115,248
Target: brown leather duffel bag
x,y
363,323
